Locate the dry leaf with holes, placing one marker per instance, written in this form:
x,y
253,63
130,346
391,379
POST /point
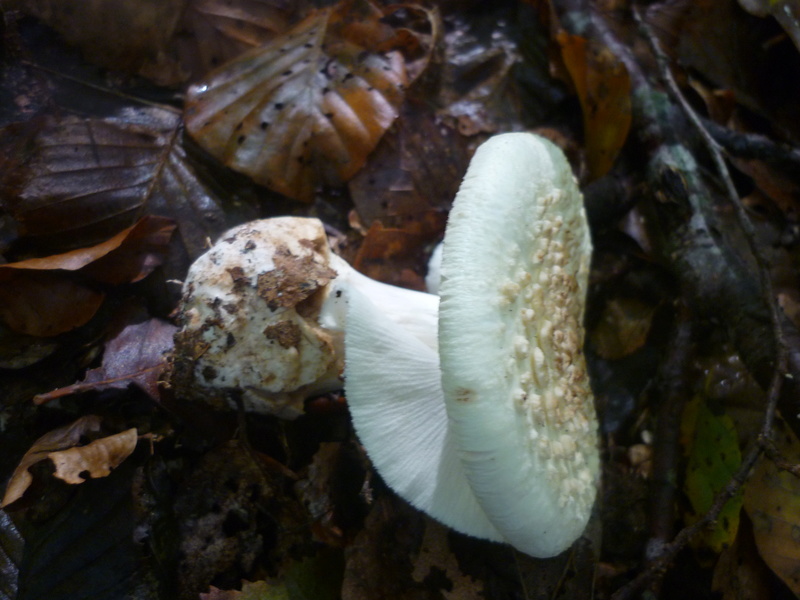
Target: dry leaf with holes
x,y
96,459
72,461
307,108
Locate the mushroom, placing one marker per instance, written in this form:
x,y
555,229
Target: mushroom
x,y
515,271
263,313
516,459
485,422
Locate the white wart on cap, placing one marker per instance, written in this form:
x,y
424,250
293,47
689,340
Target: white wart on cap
x,y
514,281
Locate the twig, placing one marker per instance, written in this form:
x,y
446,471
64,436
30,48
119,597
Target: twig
x,y
781,348
780,461
752,145
670,400
656,569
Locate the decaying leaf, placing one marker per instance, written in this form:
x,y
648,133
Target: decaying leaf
x,y
313,578
61,446
211,32
308,107
133,254
623,327
134,355
604,91
392,531
435,555
45,304
772,501
122,34
257,590
390,254
74,182
740,573
96,459
38,297
712,446
416,168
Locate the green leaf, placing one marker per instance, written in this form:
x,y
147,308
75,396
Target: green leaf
x,y
712,448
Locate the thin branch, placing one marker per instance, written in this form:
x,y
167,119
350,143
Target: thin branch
x,y
668,553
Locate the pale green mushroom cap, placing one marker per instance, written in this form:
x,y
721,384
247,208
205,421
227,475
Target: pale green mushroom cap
x,y
514,280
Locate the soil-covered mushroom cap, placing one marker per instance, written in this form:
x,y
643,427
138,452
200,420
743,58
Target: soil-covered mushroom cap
x,y
514,280
249,317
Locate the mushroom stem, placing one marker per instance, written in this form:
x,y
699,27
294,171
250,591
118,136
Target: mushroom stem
x,y
415,312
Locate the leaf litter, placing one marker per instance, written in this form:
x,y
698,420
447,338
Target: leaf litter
x,y
74,461
307,108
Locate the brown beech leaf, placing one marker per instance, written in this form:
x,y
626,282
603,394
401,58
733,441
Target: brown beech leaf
x,y
393,254
125,258
94,460
38,298
45,304
604,91
74,182
417,167
308,107
121,34
134,355
53,441
212,32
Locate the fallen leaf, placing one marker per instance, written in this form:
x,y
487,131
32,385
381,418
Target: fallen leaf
x,y
393,254
740,573
125,258
604,91
711,445
317,577
96,459
736,51
121,34
257,590
307,108
772,501
212,32
135,355
38,298
73,182
58,439
392,531
623,327
436,557
416,168
46,304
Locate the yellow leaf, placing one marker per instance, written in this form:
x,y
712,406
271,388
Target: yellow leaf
x,y
604,90
772,500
